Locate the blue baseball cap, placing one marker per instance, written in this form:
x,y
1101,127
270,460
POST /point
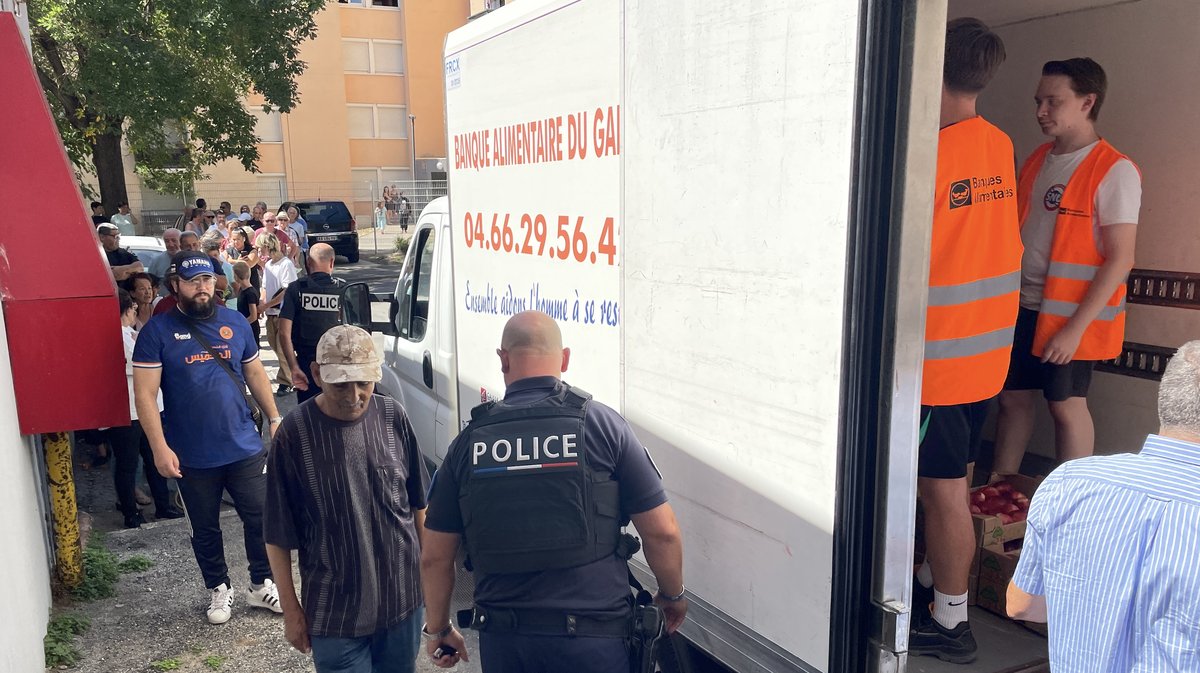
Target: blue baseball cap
x,y
187,265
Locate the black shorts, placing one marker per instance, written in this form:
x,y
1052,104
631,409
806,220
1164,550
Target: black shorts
x,y
950,438
1027,371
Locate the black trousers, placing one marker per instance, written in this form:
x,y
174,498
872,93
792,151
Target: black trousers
x,y
129,443
519,653
201,489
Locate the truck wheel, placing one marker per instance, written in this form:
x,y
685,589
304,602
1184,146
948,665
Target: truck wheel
x,y
352,257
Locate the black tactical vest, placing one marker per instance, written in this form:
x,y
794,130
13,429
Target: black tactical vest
x,y
317,311
529,499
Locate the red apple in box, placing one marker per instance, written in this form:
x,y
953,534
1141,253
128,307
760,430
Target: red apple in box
x,y
978,498
1018,516
1011,507
975,509
989,491
1005,518
1003,487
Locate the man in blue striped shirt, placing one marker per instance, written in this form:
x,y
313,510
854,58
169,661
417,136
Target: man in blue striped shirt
x,y
1112,552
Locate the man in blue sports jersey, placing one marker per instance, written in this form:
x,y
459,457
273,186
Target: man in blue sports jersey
x,y
206,437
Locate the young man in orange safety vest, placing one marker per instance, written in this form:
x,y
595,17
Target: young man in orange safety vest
x,y
974,282
1079,200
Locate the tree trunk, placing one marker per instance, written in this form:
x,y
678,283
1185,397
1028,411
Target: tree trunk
x,y
110,171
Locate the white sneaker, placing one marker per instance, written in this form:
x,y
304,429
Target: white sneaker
x,y
221,606
264,596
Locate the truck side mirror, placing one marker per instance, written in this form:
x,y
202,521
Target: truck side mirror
x,y
356,308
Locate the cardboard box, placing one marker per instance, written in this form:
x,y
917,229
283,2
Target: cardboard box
x,y
996,569
990,530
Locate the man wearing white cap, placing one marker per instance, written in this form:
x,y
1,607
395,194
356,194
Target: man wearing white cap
x,y
346,487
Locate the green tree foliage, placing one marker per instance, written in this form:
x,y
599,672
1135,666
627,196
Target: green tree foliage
x,y
168,76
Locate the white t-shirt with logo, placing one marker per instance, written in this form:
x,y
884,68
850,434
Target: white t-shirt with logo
x,y
1118,200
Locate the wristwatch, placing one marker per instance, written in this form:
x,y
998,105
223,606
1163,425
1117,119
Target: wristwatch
x,y
276,420
436,636
672,599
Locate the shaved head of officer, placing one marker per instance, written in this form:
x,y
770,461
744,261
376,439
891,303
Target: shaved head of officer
x,y
321,257
531,345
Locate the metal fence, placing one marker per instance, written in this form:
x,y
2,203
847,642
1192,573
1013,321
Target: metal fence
x,y
160,211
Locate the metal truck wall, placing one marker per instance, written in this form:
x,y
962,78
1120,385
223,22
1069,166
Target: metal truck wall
x,y
738,141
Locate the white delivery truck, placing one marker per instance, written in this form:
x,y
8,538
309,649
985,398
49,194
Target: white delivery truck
x,y
726,207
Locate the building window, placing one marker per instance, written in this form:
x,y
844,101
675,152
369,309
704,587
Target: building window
x,y
377,121
393,121
360,121
356,55
381,57
387,58
268,126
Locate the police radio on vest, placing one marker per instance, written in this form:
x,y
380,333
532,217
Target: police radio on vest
x,y
319,302
503,450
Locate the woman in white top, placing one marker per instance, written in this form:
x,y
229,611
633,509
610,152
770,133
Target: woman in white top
x,y
129,443
278,273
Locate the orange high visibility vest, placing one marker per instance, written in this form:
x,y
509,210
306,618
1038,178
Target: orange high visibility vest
x,y
974,266
1075,256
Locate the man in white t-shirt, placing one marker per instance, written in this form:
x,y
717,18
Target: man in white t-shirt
x,y
1078,199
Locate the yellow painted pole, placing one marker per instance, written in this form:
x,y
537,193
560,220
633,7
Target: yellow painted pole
x,y
62,503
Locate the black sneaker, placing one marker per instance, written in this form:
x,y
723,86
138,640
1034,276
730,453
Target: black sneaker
x,y
284,390
134,520
930,639
169,512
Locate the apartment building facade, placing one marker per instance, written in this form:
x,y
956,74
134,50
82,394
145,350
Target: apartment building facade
x,y
371,114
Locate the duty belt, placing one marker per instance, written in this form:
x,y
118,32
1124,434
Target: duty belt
x,y
544,622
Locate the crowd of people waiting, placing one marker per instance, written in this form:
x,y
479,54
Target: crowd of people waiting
x,y
258,252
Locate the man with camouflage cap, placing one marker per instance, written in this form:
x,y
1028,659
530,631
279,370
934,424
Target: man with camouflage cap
x,y
346,487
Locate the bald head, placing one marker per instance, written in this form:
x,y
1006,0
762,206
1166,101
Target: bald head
x,y
531,345
321,257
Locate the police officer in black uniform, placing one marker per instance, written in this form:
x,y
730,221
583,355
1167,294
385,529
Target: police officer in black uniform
x,y
537,487
310,307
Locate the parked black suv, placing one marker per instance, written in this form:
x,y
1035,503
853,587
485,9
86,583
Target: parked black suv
x,y
331,222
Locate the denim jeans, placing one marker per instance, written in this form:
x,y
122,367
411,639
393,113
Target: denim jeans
x,y
391,650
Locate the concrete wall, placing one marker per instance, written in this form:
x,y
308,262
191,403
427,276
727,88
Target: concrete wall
x,y
1149,51
27,574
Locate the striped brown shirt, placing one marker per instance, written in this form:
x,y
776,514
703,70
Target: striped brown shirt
x,y
343,494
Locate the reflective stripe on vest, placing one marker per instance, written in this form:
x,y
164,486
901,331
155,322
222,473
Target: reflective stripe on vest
x,y
986,288
974,266
968,346
1067,309
1075,256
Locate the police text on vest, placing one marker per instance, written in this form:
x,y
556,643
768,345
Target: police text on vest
x,y
505,451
